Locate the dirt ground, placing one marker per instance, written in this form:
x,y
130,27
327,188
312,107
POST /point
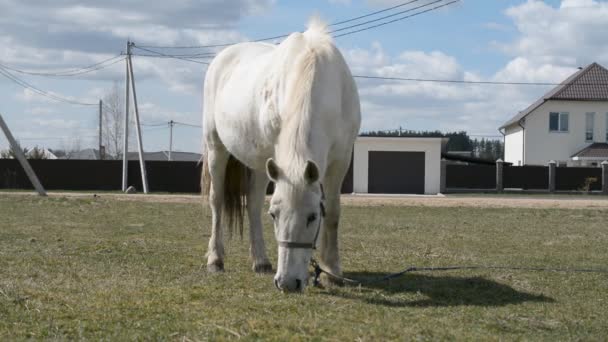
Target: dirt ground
x,y
473,200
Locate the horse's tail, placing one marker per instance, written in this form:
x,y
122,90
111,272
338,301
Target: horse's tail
x,y
236,180
235,191
205,176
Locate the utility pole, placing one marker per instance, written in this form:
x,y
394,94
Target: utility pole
x,y
140,145
125,145
21,157
100,129
171,123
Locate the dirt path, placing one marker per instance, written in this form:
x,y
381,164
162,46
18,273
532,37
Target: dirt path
x,y
481,201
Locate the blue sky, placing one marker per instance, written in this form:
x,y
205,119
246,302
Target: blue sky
x,y
500,40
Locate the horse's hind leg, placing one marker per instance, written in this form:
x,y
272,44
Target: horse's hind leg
x,y
255,202
217,159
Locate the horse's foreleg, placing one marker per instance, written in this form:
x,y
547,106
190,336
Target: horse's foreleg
x,y
217,159
255,202
328,247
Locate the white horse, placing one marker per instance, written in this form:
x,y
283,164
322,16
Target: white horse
x,y
288,113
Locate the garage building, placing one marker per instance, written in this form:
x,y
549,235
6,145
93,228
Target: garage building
x,y
397,165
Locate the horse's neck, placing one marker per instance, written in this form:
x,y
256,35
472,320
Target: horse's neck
x,y
296,145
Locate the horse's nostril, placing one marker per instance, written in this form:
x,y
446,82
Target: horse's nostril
x,y
298,285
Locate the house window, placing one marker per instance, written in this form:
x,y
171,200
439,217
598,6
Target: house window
x,y
558,122
606,127
589,121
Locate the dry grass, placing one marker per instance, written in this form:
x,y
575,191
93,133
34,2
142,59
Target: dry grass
x,y
99,268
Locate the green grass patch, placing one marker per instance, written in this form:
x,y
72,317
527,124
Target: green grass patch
x,y
76,268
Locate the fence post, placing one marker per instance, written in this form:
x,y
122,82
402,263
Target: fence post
x,y
442,176
605,177
552,170
499,175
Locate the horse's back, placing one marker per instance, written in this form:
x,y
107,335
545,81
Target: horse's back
x,y
230,99
253,91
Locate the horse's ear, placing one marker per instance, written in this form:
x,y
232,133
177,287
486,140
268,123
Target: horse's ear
x,y
311,173
272,170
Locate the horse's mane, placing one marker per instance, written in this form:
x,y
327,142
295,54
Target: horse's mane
x,y
303,53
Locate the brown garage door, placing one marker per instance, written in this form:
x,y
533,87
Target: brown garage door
x,y
396,172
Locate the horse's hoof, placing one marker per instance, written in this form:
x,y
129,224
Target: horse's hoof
x,y
262,268
216,267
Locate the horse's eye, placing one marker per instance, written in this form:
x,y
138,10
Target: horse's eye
x,y
311,218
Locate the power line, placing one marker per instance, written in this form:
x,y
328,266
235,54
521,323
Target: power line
x,y
173,56
398,19
286,35
38,91
209,55
373,13
467,82
56,138
170,56
154,124
73,72
386,17
187,124
161,124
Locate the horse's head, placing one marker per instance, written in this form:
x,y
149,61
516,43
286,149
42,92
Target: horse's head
x,y
297,209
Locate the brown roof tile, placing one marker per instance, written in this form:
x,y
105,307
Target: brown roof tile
x,y
588,84
595,150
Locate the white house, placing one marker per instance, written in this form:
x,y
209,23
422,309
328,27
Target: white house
x,y
569,124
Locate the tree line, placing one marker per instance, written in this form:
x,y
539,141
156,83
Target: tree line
x,y
489,149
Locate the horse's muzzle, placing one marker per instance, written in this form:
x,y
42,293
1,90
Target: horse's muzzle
x,y
289,285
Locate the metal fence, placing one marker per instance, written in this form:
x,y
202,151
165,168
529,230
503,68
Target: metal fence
x,y
472,176
503,177
526,177
106,175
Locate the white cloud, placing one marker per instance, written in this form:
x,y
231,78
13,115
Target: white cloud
x,y
415,105
42,111
442,106
572,35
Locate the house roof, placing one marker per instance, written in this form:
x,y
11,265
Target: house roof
x,y
593,151
587,84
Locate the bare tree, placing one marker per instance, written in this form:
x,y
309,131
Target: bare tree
x,y
71,146
9,153
114,122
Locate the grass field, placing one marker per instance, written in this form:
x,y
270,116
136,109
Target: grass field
x,y
93,268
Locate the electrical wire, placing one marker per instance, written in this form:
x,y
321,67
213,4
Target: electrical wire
x,y
41,92
286,35
386,17
187,124
468,82
209,55
154,124
173,56
169,56
373,13
398,19
67,73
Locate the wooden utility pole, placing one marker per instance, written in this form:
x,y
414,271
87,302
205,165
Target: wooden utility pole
x,y
21,158
171,123
100,128
125,145
140,145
